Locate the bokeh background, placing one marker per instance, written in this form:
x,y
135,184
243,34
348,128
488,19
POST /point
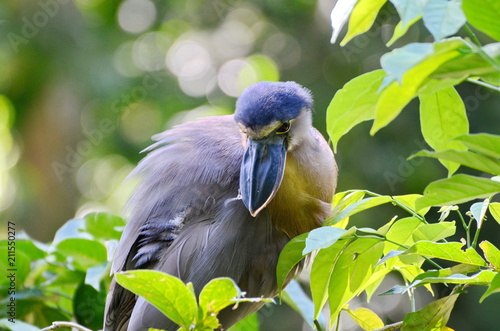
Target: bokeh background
x,y
84,84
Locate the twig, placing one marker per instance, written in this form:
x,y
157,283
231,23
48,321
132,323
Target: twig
x,y
317,325
471,34
57,325
483,84
400,205
391,327
466,227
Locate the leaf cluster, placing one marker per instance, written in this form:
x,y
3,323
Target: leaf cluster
x,y
349,260
67,279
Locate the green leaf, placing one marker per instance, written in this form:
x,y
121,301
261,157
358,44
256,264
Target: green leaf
x,y
433,85
490,53
390,255
362,18
451,251
483,15
400,30
249,323
466,158
396,96
355,266
443,17
84,253
88,305
483,143
408,10
385,228
217,295
340,15
365,318
478,211
165,292
68,278
469,64
324,264
402,233
295,297
493,288
409,200
5,324
434,232
74,228
289,257
322,237
443,118
343,199
32,250
411,272
432,317
494,209
13,259
353,104
446,272
400,60
358,207
104,226
96,274
457,189
375,281
483,278
491,253
39,312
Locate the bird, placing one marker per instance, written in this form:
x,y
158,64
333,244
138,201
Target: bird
x,y
220,197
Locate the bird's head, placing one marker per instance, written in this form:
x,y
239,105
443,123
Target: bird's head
x,y
274,117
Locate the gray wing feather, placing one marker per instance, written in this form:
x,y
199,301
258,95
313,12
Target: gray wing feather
x,y
187,179
175,176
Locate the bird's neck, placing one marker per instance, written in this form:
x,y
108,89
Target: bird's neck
x,y
297,207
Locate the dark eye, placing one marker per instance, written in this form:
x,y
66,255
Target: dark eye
x,y
284,128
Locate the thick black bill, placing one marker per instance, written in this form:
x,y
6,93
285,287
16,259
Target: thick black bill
x,y
262,171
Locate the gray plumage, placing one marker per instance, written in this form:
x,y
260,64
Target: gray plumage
x,y
187,218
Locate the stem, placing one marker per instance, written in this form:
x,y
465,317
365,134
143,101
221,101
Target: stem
x,y
57,325
433,263
338,323
476,238
483,84
318,326
391,327
466,227
471,34
468,233
411,295
397,203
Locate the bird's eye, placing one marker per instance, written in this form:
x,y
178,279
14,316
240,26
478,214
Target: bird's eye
x,y
284,128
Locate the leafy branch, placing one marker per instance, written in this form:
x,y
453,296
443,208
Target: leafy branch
x,y
429,72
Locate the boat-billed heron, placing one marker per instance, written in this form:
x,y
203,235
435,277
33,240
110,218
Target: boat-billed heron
x,y
221,196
